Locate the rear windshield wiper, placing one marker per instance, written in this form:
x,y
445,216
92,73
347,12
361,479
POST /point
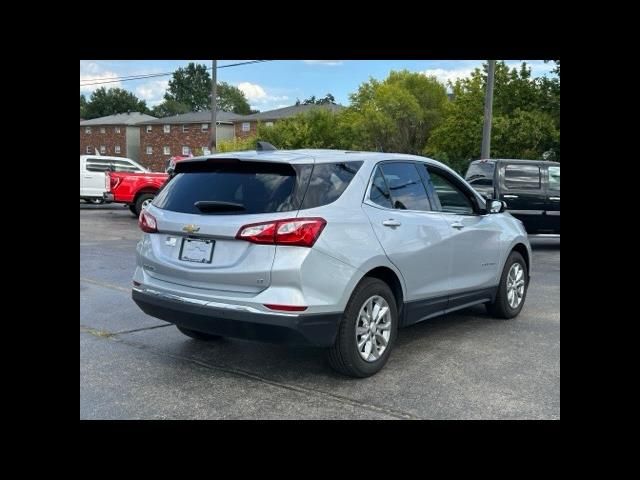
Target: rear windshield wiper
x,y
216,206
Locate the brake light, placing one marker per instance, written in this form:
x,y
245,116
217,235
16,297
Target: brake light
x,y
285,308
147,222
302,232
114,182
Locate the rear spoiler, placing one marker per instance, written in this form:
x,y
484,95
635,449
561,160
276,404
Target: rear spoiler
x,y
212,164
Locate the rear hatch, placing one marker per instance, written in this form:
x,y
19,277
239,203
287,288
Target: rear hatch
x,y
200,211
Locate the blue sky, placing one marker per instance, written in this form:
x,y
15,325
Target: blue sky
x,y
279,83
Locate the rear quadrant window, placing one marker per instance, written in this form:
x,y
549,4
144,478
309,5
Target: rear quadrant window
x,y
328,182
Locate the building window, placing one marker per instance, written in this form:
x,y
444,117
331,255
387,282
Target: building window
x,y
167,129
116,149
268,124
149,127
87,129
149,150
103,130
185,128
103,149
88,150
116,129
246,126
185,151
166,151
205,127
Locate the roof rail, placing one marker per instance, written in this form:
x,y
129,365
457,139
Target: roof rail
x,y
264,146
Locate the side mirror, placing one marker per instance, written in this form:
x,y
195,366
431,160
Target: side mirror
x,y
497,206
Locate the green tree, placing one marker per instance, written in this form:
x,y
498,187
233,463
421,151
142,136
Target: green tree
x,y
526,118
232,99
236,144
105,102
191,86
169,108
317,128
328,99
397,114
83,106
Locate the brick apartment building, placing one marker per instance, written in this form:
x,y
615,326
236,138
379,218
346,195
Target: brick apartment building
x,y
180,135
114,135
248,125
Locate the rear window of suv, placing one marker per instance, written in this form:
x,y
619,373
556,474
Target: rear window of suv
x,y
235,187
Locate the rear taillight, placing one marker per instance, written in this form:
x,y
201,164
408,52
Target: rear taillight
x,y
107,182
147,222
115,181
302,232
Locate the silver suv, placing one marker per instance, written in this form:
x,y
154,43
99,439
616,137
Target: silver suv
x,y
330,248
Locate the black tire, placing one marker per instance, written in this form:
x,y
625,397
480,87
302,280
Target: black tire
x,y
132,208
500,307
198,335
95,201
141,199
343,355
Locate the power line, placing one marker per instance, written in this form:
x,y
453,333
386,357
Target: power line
x,y
100,81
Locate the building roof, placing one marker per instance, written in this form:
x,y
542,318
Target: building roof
x,y
195,117
118,119
291,111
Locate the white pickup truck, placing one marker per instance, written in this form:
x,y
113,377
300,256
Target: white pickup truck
x,y
92,174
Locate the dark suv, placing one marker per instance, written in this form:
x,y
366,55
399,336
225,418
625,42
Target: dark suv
x,y
530,188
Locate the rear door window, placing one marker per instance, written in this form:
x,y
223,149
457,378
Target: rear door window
x,y
405,186
97,165
379,191
522,177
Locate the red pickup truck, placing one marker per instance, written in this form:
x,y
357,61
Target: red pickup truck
x,y
136,190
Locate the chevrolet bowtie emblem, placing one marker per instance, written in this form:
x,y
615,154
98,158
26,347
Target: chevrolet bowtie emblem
x,y
191,228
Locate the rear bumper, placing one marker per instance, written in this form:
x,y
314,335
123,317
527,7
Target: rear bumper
x,y
108,197
240,322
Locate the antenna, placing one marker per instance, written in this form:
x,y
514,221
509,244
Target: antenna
x,y
260,146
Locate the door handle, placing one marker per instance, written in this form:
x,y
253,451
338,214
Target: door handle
x,y
457,225
87,176
510,196
391,223
554,198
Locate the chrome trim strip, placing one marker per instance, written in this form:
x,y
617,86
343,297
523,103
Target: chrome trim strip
x,y
525,212
210,304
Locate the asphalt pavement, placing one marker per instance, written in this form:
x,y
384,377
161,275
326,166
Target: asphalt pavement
x,y
464,365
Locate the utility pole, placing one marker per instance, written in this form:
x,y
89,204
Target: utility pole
x,y
488,112
214,85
